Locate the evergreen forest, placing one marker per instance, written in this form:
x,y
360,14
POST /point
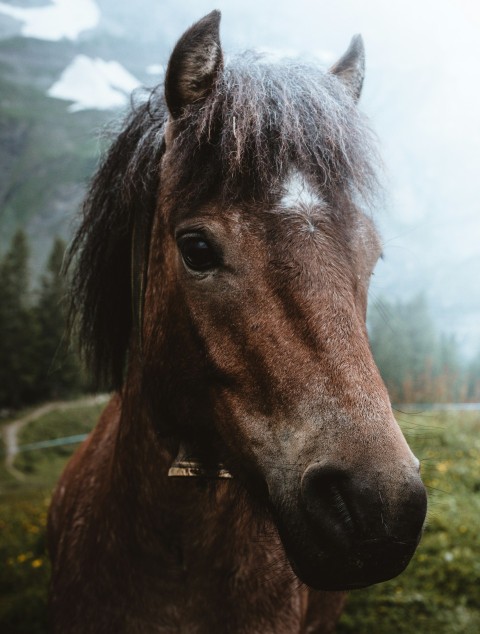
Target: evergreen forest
x,y
36,361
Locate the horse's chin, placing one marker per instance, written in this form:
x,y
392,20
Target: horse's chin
x,y
348,571
344,566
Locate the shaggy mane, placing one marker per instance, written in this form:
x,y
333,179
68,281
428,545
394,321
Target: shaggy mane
x,y
261,120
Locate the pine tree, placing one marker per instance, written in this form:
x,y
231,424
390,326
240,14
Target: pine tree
x,y
58,369
17,327
385,343
415,364
473,379
451,384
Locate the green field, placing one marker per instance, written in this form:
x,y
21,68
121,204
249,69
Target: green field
x,y
24,566
439,593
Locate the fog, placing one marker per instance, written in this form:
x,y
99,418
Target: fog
x,y
421,94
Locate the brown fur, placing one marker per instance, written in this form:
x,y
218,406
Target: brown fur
x,y
260,362
147,563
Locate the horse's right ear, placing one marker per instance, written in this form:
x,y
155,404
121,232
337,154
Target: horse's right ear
x,y
194,64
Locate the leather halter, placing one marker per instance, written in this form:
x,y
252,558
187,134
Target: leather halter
x,y
186,466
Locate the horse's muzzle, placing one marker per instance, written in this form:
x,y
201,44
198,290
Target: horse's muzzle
x,y
356,532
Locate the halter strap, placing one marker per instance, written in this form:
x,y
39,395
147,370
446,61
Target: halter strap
x,y
186,466
193,469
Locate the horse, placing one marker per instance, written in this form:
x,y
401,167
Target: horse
x,y
248,469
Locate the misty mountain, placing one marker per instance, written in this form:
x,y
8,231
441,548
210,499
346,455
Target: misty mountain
x,y
417,95
48,150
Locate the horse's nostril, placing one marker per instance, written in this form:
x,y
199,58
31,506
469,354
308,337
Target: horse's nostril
x,y
346,509
324,498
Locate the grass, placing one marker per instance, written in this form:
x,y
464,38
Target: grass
x,y
24,565
44,466
439,592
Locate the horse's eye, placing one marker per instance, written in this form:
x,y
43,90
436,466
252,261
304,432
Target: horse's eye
x,y
198,254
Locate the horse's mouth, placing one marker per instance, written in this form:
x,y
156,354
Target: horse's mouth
x,y
365,566
346,565
338,530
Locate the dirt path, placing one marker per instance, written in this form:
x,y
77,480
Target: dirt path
x,y
12,430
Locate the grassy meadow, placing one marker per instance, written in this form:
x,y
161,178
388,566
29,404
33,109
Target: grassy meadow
x,y
24,566
439,592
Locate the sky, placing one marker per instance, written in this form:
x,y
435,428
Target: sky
x,y
422,94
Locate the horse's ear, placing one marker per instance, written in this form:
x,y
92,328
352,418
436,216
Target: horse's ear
x,y
350,68
194,64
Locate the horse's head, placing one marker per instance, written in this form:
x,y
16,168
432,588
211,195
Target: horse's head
x,y
267,260
254,338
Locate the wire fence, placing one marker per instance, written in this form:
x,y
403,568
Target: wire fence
x,y
53,442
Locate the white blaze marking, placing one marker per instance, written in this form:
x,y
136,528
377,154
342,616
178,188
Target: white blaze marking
x,y
298,192
301,198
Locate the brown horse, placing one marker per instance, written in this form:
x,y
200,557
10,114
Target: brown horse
x,y
220,280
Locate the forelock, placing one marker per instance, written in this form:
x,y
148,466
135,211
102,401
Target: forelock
x,y
264,119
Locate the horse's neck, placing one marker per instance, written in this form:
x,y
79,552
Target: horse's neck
x,y
207,542
173,548
180,511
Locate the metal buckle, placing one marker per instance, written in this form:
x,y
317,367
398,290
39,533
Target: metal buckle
x,y
194,469
186,466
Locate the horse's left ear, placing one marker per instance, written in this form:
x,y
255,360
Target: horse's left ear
x,y
350,68
194,64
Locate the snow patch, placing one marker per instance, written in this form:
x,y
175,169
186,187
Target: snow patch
x,y
94,84
57,20
155,69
